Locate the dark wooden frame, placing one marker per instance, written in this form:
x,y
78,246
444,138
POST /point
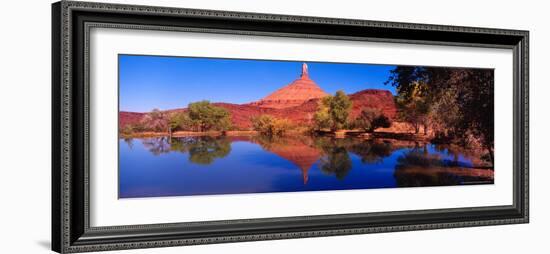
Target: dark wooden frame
x,y
71,22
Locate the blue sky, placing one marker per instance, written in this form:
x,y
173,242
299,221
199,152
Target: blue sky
x,y
148,82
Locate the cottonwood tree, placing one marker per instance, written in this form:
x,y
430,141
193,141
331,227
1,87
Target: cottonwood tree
x,y
208,117
339,108
459,102
321,118
178,121
333,112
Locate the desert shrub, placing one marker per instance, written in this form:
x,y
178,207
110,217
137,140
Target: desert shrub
x,y
155,120
271,126
371,119
127,130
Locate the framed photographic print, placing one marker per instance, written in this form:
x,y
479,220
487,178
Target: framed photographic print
x,y
181,126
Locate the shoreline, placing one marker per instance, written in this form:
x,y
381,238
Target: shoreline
x,y
337,134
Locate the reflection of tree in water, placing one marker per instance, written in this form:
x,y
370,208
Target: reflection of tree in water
x,y
157,146
332,153
443,149
335,159
129,142
418,167
202,150
372,151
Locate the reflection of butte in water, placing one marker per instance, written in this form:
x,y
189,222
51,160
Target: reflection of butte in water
x,y
299,154
295,151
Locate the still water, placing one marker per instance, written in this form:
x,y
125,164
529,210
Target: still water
x,y
156,167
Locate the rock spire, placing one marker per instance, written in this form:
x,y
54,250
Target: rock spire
x,y
294,94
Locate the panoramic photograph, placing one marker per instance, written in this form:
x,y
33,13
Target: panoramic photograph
x,y
209,126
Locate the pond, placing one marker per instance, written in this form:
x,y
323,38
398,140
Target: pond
x,y
157,167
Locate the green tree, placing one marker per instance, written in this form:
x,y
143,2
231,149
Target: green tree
x,y
333,112
476,103
458,102
179,121
446,114
371,119
208,117
339,109
414,105
335,160
321,118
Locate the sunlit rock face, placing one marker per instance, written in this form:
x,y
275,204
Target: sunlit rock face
x,y
373,98
294,94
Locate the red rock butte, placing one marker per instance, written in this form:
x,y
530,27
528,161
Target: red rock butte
x,y
294,94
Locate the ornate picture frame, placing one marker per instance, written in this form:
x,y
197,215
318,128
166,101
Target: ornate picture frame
x,y
71,229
